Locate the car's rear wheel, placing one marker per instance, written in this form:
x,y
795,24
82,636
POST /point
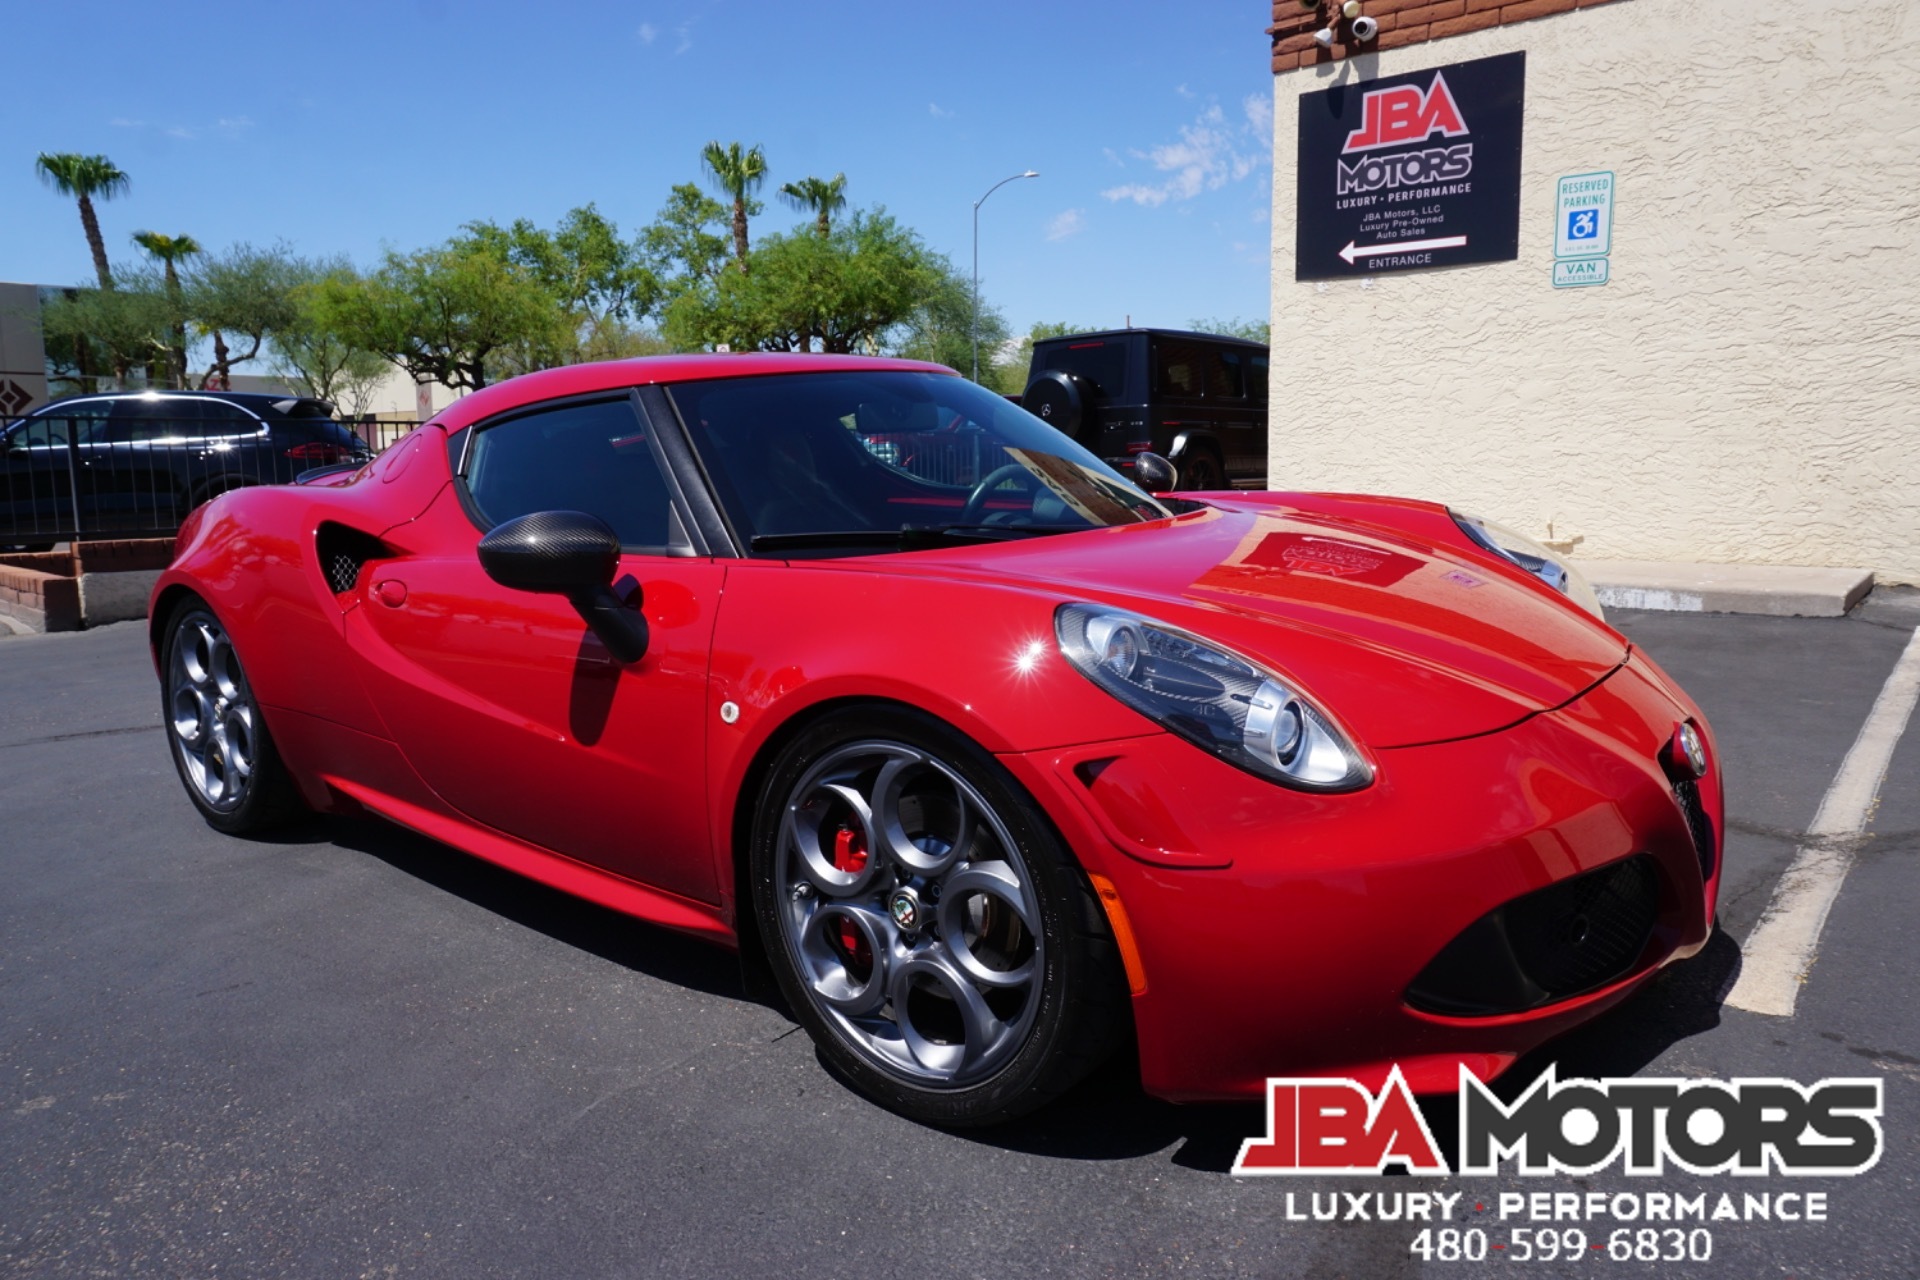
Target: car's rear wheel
x,y
925,923
221,747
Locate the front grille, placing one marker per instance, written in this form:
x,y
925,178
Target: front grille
x,y
1687,792
1551,944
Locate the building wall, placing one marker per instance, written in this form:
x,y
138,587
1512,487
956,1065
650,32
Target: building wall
x,y
1747,387
23,357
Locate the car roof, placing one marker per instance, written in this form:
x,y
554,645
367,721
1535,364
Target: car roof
x,y
1192,334
258,401
608,375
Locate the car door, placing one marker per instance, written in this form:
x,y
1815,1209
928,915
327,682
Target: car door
x,y
504,701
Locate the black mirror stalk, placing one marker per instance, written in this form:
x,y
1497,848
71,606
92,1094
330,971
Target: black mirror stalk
x,y
621,626
573,554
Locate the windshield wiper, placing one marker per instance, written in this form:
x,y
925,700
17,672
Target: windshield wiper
x,y
905,537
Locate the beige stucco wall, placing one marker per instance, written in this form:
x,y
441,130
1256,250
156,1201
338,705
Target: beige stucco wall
x,y
1746,389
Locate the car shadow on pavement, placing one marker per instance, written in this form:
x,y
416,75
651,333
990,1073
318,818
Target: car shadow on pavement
x,y
660,953
1110,1118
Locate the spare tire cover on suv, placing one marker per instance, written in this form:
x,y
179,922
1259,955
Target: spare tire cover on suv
x,y
1060,400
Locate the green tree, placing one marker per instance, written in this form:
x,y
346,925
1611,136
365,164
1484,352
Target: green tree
x,y
738,172
84,178
598,280
940,326
857,289
1252,330
315,360
685,245
443,314
240,298
170,251
823,197
87,330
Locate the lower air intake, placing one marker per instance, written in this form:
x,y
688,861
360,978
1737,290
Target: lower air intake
x,y
1552,944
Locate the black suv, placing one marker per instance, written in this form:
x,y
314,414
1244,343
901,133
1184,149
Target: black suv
x,y
1196,398
138,461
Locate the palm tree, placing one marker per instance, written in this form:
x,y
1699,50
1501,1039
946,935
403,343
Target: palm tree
x,y
83,178
824,196
739,172
170,250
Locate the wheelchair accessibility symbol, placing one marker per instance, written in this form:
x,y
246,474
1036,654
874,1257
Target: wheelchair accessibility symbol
x,y
1583,224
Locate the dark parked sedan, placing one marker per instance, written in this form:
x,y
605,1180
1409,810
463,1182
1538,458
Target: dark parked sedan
x,y
139,461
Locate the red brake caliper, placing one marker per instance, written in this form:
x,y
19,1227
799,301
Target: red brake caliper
x,y
850,856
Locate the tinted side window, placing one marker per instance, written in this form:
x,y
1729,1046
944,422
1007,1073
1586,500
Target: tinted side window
x,y
80,423
1176,368
1257,379
182,418
1226,375
583,457
1104,364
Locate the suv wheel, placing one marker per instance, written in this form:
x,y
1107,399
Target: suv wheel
x,y
1200,469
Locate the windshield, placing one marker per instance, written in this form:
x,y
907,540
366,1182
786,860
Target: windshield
x,y
850,462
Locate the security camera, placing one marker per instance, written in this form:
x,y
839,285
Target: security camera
x,y
1365,28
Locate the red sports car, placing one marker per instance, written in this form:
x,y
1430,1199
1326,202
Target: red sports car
x,y
990,755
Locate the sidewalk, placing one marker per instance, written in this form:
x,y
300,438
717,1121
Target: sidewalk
x,y
1777,590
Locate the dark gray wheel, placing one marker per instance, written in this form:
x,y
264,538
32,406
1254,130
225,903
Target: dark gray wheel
x,y
925,923
1200,469
225,757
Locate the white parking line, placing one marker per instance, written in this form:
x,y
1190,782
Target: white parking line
x,y
1779,953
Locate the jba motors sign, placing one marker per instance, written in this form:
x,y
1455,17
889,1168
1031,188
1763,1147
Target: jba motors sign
x,y
1411,171
1753,1127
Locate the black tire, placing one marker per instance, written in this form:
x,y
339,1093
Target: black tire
x,y
1060,400
1200,469
1054,1003
218,737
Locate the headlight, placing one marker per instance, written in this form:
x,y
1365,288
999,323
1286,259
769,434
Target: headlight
x,y
1519,549
1212,697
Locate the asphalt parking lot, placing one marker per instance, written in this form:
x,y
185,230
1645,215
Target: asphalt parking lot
x,y
351,1052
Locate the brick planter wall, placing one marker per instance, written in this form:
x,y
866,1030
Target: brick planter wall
x,y
94,583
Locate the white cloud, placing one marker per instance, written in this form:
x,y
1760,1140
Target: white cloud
x,y
647,33
233,125
1068,224
1259,109
180,131
1183,91
939,112
685,33
1209,154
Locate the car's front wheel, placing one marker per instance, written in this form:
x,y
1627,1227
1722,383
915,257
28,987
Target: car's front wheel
x,y
925,923
221,747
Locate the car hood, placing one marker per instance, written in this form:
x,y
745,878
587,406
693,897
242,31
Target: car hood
x,y
1379,610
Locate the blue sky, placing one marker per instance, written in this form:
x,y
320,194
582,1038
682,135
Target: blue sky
x,y
349,127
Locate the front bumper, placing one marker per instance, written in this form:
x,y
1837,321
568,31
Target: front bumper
x,y
1279,931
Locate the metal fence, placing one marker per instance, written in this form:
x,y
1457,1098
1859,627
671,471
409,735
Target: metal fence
x,y
68,477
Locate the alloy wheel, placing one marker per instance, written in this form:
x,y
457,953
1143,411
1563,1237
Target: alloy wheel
x,y
909,914
211,713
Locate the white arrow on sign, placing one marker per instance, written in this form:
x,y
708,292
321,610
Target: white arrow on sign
x,y
1405,246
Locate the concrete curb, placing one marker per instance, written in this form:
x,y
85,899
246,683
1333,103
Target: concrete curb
x,y
1776,590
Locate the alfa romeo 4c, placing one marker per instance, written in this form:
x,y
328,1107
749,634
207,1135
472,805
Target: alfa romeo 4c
x,y
997,761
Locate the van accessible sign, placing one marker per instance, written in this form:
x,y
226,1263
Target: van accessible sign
x,y
1411,171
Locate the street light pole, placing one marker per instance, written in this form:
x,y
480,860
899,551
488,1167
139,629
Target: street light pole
x,y
975,326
